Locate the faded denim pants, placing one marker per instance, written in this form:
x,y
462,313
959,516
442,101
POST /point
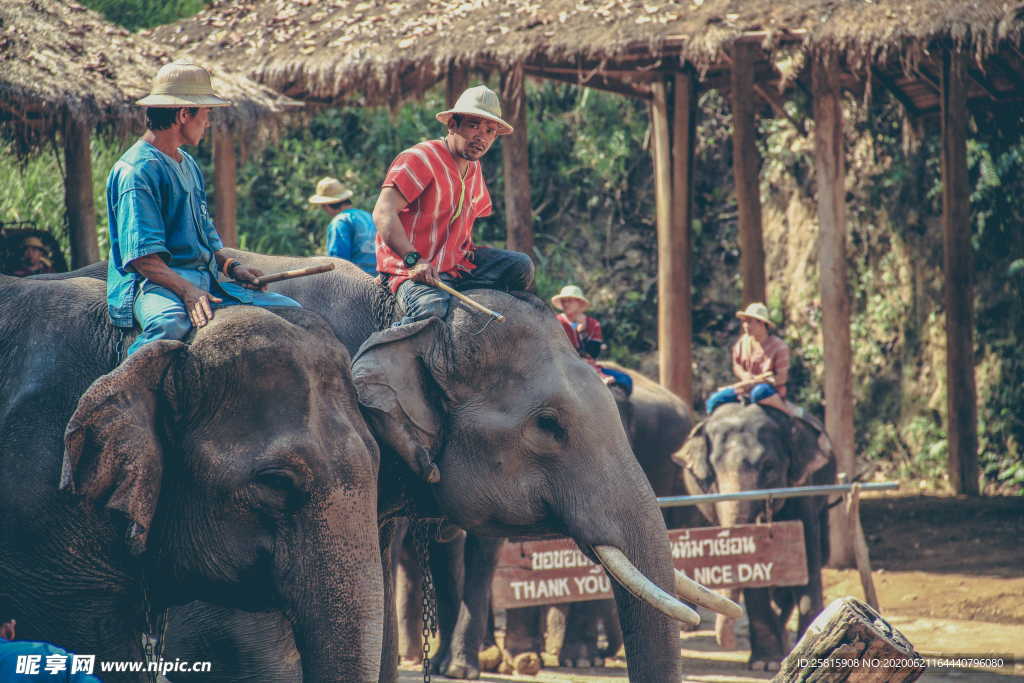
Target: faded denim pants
x,y
162,315
495,269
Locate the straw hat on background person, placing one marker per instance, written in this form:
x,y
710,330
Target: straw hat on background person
x,y
35,243
330,191
478,101
757,311
179,84
569,292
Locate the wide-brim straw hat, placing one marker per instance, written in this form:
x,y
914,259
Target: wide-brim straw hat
x,y
182,85
478,101
330,191
568,292
757,311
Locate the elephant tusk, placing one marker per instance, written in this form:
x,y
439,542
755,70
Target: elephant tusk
x,y
688,589
633,580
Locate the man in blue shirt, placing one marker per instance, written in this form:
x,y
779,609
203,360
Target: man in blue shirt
x,y
351,232
29,660
165,253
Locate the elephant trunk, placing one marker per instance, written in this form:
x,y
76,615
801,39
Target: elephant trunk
x,y
651,636
335,590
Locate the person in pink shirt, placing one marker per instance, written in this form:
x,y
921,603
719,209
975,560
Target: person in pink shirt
x,y
760,362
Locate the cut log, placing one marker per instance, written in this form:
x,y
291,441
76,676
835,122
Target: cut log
x,y
849,641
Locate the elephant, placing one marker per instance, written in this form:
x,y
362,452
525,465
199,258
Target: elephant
x,y
657,423
236,469
746,447
502,429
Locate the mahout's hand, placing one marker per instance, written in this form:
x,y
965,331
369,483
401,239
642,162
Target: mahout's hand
x,y
248,277
424,273
197,304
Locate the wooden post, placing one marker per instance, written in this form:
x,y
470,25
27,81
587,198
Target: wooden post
x,y
668,267
78,203
515,159
456,83
860,547
835,299
745,168
674,274
225,187
850,641
961,399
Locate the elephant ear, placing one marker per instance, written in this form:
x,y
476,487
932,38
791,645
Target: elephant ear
x,y
399,395
810,448
112,450
695,456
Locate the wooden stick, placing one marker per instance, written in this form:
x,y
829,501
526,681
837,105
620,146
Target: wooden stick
x,y
470,302
860,546
290,274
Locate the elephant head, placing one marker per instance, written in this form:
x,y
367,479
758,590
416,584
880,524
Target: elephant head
x,y
514,435
245,475
742,448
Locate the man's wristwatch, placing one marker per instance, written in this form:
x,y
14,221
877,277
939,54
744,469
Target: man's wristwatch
x,y
411,259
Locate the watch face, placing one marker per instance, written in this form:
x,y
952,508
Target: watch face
x,y
412,258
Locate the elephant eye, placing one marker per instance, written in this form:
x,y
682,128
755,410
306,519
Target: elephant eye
x,y
548,423
279,488
277,479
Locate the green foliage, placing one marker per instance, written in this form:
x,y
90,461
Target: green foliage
x,y
140,14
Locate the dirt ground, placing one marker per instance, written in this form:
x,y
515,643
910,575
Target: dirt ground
x,y
949,573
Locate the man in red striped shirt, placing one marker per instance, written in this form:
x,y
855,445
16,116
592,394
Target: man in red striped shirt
x,y
431,196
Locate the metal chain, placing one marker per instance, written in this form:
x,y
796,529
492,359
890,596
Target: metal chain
x,y
422,535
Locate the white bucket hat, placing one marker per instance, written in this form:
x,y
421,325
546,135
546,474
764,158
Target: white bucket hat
x,y
478,101
568,292
182,85
330,191
757,311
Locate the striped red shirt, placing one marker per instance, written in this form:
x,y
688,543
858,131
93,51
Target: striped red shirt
x,y
442,207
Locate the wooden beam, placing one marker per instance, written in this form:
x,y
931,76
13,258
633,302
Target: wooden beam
x,y
982,81
774,101
225,186
455,83
598,83
78,202
1008,72
897,92
928,78
667,297
830,165
961,400
515,159
745,168
675,316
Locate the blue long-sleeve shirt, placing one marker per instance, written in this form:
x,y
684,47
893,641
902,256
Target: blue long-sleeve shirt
x,y
350,236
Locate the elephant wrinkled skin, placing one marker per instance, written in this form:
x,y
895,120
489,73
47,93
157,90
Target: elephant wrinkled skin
x,y
236,469
522,433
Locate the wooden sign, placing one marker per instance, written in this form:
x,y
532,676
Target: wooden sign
x,y
746,556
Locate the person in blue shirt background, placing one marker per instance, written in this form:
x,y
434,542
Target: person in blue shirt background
x,y
165,253
39,661
351,232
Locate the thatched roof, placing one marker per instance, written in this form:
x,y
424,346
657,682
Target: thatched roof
x,y
383,49
59,59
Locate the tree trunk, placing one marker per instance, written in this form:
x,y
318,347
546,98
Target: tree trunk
x,y
851,641
78,203
225,187
961,399
746,168
515,159
835,300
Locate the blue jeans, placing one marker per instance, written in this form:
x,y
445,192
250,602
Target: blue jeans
x,y
495,269
162,315
759,393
